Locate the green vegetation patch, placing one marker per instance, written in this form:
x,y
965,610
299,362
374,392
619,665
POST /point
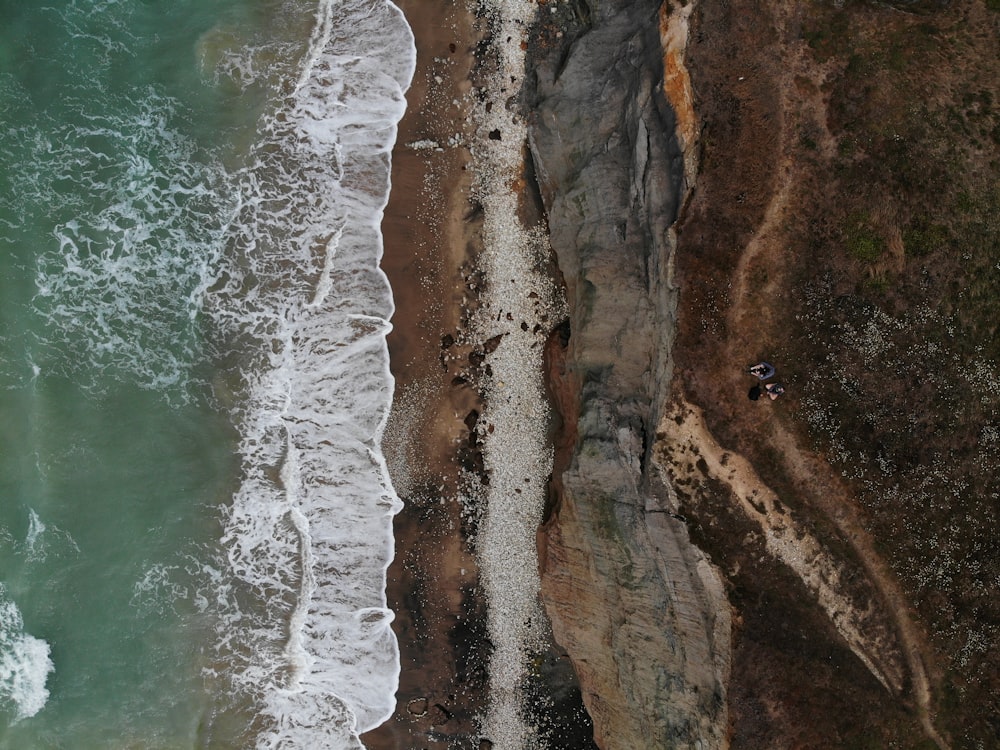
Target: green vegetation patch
x,y
923,238
863,242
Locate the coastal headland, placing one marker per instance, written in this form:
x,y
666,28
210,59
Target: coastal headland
x,y
717,184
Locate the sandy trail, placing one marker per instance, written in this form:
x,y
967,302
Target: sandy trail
x,y
837,504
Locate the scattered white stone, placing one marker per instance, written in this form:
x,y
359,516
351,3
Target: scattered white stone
x,y
423,144
516,453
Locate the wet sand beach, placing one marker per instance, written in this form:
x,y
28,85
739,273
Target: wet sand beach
x,y
429,234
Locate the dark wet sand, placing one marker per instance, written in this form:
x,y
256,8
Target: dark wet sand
x,y
432,584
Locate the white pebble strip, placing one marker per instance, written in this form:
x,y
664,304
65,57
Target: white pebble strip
x,y
515,417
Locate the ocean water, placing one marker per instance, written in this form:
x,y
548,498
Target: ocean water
x,y
195,516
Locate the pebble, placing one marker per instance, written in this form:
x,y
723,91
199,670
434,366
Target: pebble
x,y
516,451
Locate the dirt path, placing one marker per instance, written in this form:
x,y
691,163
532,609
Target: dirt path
x,y
837,504
755,291
690,449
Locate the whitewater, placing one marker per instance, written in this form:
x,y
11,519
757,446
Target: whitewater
x,y
309,533
195,513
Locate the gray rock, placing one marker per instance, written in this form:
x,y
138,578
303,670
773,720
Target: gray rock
x,y
638,608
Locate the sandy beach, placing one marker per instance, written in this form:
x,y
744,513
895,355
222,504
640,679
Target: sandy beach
x,y
429,234
473,312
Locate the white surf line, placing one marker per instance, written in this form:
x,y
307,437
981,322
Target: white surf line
x,y
520,305
296,653
318,41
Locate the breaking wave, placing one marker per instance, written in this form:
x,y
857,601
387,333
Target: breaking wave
x,y
24,664
303,306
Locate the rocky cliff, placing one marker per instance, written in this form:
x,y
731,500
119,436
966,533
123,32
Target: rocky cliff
x,y
638,608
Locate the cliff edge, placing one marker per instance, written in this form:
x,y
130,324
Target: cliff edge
x,y
637,606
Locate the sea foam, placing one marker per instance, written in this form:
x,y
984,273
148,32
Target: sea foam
x,y
304,307
24,664
138,216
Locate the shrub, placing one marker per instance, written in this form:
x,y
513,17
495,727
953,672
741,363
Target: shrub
x,y
923,239
863,242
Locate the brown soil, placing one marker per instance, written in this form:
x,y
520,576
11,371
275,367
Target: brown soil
x,y
429,236
807,213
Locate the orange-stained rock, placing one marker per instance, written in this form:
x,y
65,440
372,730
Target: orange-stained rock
x,y
674,17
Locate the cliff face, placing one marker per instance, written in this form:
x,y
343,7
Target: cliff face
x,y
638,608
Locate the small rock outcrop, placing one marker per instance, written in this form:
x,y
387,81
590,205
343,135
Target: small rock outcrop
x,y
638,608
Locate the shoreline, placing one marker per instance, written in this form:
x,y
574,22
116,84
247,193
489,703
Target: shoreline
x,y
432,584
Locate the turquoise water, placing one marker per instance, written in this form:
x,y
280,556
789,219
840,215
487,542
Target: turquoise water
x,y
195,517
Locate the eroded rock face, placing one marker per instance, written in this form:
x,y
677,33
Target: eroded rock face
x,y
638,608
